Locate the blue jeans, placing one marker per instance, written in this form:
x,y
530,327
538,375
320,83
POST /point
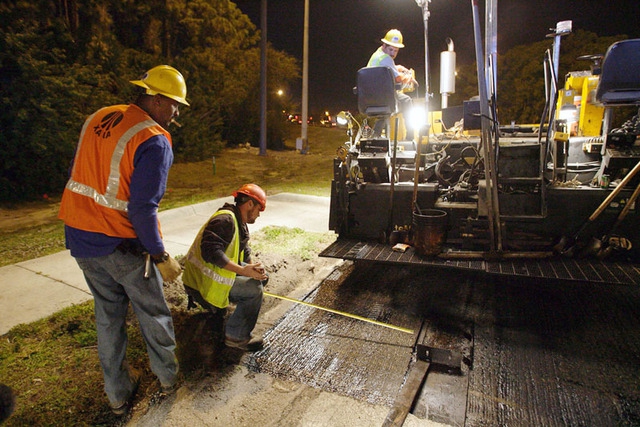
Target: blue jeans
x,y
115,280
246,294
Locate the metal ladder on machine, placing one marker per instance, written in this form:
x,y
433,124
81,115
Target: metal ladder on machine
x,y
499,207
548,143
554,144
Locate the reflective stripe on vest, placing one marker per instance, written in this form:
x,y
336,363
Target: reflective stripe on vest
x,y
109,198
214,283
210,273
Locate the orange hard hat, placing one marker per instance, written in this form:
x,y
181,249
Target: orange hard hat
x,y
255,192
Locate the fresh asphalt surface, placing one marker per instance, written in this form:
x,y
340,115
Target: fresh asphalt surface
x,y
37,288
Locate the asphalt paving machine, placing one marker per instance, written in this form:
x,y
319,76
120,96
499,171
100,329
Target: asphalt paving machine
x,y
467,188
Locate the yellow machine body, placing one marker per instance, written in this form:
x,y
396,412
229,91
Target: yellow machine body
x,y
576,104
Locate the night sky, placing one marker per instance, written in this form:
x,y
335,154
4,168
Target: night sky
x,y
344,33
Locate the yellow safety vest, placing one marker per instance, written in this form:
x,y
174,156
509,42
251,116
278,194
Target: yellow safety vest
x,y
214,283
376,58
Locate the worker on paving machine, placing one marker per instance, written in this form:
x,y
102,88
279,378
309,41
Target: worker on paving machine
x,y
385,56
219,271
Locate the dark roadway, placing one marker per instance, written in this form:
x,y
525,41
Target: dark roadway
x,y
535,353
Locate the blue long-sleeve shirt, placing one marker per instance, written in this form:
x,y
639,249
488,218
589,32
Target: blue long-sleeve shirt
x,y
152,162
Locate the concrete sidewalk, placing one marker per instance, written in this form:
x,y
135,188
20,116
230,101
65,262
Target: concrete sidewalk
x,y
37,288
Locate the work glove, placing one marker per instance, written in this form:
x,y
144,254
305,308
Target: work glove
x,y
169,268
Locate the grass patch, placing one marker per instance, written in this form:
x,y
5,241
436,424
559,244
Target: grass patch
x,y
30,243
277,172
53,367
290,241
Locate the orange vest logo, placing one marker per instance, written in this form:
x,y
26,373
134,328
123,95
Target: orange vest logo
x,y
107,123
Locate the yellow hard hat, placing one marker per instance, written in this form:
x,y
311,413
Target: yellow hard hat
x,y
393,38
164,80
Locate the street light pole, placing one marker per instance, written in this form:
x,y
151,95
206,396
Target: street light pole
x,y
424,4
305,80
263,78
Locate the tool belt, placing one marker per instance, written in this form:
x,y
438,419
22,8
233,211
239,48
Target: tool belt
x,y
132,246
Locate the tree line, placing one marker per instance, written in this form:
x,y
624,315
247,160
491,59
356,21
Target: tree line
x,y
60,60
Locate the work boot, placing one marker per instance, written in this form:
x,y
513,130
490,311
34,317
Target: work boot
x,y
251,344
167,390
124,407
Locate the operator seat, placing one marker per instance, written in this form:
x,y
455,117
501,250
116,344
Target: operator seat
x,y
619,86
619,83
375,87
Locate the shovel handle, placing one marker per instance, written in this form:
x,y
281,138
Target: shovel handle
x,y
630,203
615,192
624,212
604,252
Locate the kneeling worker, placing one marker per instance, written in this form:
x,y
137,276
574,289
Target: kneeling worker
x,y
218,266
